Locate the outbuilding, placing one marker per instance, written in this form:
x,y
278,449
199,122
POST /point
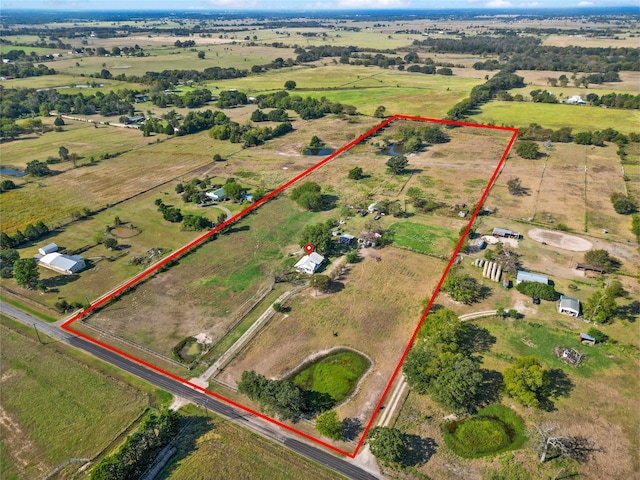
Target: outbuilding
x,y
531,277
504,233
217,194
588,339
570,306
67,265
346,239
49,248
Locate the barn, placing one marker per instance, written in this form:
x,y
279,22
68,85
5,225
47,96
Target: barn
x,y
49,248
531,277
67,265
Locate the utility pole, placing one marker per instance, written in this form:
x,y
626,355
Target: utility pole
x,y
37,333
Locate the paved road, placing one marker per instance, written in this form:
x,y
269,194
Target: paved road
x,y
177,388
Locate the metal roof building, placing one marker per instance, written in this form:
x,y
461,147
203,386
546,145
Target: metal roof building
x,y
63,263
531,277
569,305
50,248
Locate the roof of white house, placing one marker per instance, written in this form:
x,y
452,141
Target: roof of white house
x,y
531,277
310,262
568,303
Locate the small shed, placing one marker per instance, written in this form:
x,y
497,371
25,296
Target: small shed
x,y
531,277
588,268
588,339
570,306
49,248
504,233
506,283
346,239
482,244
575,100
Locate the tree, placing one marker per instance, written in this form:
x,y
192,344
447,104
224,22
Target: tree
x,y
387,444
515,187
59,122
615,289
463,288
26,272
380,112
110,243
540,290
37,169
583,138
201,54
318,235
444,71
308,196
574,447
600,307
329,425
63,153
355,173
218,158
527,380
600,258
397,165
527,149
320,282
7,185
635,226
290,85
233,190
258,194
623,204
316,142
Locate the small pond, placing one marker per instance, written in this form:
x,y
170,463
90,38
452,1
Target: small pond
x,y
319,152
12,172
395,150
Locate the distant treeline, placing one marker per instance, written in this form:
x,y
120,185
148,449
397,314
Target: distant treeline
x,y
527,53
24,69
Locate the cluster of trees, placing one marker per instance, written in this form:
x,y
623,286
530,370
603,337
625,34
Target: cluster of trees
x,y
140,449
536,132
527,149
540,290
169,213
308,196
276,115
615,100
397,165
308,107
318,235
601,307
191,99
443,364
527,380
480,94
542,96
251,136
169,78
32,232
185,44
624,204
277,397
26,273
25,69
231,98
464,288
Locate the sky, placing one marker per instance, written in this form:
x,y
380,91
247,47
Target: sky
x,y
303,4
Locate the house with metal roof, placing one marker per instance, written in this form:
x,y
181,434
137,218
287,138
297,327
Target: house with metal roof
x,y
504,233
217,194
588,339
49,248
570,306
531,277
67,265
309,264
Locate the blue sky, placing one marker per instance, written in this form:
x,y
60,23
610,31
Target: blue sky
x,y
301,4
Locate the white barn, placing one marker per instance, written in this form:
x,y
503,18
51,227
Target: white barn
x,y
49,248
309,264
67,265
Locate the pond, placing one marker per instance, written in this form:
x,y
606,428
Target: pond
x,y
331,378
395,150
320,152
12,172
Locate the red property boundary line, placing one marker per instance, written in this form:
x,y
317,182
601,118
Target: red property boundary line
x,y
202,238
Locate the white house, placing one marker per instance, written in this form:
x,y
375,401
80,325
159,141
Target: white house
x,y
50,248
575,100
65,264
309,263
570,306
216,195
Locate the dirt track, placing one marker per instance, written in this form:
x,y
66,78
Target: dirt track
x,y
560,240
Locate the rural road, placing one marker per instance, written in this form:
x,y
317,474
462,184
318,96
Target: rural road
x,y
239,417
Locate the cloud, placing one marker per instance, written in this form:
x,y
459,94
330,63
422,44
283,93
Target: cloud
x,y
498,4
239,4
471,2
585,4
532,4
353,4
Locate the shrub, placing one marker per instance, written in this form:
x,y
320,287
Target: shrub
x,y
540,290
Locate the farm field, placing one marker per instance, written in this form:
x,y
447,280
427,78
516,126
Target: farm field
x,y
580,117
55,408
629,83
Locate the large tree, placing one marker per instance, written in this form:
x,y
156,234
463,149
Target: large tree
x,y
600,307
387,444
463,288
527,380
527,149
397,165
329,425
601,259
318,235
233,190
26,273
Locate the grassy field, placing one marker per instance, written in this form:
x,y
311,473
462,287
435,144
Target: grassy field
x,y
336,375
423,238
55,408
581,118
214,448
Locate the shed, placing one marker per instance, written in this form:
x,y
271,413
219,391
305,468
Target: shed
x,y
570,306
575,100
482,244
49,248
373,207
588,339
309,264
504,233
531,277
136,119
586,267
65,264
346,239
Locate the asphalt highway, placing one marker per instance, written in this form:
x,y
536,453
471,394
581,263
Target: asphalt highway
x,y
199,398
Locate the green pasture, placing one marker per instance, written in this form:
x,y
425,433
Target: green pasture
x,y
429,239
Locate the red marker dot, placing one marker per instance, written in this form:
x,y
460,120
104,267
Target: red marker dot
x,y
308,248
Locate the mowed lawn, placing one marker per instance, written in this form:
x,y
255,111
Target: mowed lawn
x,y
54,408
579,117
423,238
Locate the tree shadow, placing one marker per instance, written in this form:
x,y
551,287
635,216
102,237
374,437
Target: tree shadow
x,y
560,385
317,402
351,428
329,202
195,427
490,389
419,450
629,312
59,281
335,287
477,339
